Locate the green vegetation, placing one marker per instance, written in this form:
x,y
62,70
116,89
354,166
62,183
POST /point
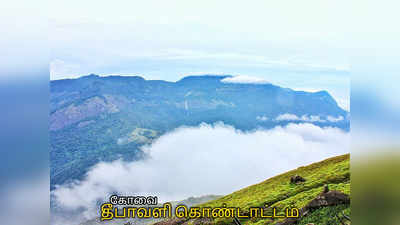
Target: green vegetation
x,y
327,215
280,193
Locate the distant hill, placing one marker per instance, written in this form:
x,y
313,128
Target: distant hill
x,y
188,202
191,201
95,118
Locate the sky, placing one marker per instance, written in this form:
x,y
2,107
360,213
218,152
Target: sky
x,y
304,45
286,43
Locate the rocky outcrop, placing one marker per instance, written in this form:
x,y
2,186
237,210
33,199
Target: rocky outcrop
x,y
326,198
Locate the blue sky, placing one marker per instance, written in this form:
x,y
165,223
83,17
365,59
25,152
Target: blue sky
x,y
287,43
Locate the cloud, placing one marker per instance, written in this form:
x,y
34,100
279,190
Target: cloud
x,y
208,159
287,117
312,118
344,103
243,79
59,69
334,119
262,118
306,118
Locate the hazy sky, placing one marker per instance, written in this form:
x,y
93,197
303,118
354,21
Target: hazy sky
x,y
301,45
280,41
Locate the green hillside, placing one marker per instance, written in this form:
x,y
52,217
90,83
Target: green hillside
x,y
280,193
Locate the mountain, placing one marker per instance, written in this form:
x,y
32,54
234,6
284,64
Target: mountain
x,y
191,201
324,195
96,118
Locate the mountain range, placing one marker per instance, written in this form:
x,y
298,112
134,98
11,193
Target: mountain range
x,y
96,118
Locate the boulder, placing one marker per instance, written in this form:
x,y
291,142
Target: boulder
x,y
329,198
297,179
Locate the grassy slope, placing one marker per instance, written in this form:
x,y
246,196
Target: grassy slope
x,y
278,192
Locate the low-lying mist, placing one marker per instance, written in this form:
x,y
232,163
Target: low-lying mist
x,y
208,159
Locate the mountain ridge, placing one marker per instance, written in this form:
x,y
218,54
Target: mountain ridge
x,y
95,118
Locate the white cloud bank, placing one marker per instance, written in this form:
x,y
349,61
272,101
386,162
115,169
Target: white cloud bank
x,y
244,79
208,159
306,118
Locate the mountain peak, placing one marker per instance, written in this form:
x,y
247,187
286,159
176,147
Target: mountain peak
x,y
89,76
111,77
121,77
